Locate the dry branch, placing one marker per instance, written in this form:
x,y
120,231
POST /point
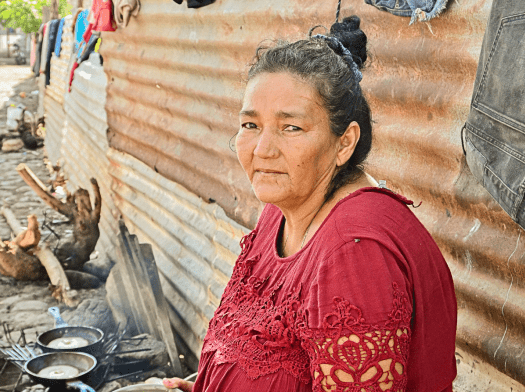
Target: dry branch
x,y
11,220
61,289
57,276
85,218
67,209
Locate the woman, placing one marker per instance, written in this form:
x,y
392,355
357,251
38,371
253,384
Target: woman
x,y
339,287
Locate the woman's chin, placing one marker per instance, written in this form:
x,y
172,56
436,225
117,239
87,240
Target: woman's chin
x,y
273,196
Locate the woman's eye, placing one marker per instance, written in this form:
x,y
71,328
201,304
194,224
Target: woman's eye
x,y
292,128
249,125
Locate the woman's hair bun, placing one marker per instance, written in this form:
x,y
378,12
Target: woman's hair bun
x,y
352,38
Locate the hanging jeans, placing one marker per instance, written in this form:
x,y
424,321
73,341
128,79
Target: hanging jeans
x,y
494,134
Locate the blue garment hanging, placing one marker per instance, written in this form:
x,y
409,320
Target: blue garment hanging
x,y
422,10
58,42
80,27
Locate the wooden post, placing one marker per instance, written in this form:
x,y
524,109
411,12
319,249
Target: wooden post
x,y
54,9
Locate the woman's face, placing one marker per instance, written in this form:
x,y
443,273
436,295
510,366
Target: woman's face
x,y
285,145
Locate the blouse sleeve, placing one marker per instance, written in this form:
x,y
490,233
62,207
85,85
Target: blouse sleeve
x,y
356,320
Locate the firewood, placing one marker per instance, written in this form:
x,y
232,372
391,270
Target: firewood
x,y
78,209
67,209
30,237
16,263
45,257
13,223
60,284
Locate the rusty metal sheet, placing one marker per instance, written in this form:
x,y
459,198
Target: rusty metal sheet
x,y
173,95
175,86
84,145
194,243
419,86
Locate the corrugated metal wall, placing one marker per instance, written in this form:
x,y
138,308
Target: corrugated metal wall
x,y
420,84
173,95
194,243
84,145
55,93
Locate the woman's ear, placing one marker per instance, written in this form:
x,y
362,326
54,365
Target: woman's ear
x,y
347,143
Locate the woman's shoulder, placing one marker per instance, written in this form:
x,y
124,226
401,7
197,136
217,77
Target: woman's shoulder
x,y
374,212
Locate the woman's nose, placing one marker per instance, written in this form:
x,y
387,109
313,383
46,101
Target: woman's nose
x,y
266,145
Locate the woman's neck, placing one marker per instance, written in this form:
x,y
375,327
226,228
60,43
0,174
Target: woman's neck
x,y
302,222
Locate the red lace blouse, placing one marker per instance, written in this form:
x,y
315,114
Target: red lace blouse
x,y
367,305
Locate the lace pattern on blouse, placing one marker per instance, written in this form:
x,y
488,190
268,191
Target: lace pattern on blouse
x,y
345,354
250,330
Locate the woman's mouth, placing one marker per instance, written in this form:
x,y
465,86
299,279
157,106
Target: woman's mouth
x,y
267,171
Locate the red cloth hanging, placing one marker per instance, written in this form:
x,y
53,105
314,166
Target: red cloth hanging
x,y
101,16
75,66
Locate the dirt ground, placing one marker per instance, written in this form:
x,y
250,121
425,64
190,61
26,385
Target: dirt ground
x,y
24,305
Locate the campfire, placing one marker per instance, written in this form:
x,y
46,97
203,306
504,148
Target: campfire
x,y
56,366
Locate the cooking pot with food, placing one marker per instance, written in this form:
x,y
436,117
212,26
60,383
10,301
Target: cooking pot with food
x,y
62,370
66,338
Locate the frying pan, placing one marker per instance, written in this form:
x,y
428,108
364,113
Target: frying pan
x,y
93,337
58,378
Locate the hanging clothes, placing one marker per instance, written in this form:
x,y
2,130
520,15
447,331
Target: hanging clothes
x,y
101,16
124,9
493,136
53,30
58,42
32,54
81,25
418,10
196,3
92,45
45,42
90,48
199,3
38,51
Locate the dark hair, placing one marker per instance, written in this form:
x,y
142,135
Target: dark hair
x,y
327,67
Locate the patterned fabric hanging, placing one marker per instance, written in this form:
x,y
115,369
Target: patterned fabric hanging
x,y
418,10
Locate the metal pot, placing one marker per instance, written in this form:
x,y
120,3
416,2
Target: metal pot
x,y
65,338
59,366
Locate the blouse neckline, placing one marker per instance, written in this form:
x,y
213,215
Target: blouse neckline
x,y
291,258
